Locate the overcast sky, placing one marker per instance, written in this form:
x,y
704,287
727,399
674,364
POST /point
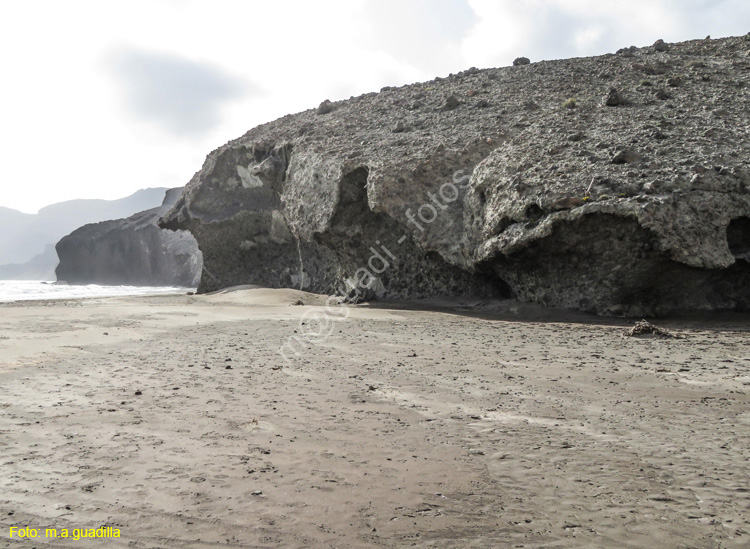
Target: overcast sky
x,y
101,98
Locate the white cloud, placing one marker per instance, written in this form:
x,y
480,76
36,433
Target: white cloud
x,y
423,33
554,29
70,127
180,95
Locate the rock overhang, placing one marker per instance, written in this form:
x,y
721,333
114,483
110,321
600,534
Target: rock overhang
x,y
524,163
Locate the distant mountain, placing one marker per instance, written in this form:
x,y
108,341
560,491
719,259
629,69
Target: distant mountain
x,y
27,237
13,222
39,267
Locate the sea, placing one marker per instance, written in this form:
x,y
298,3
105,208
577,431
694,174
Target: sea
x,y
26,290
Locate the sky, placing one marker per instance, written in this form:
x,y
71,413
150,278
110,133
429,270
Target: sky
x,y
100,99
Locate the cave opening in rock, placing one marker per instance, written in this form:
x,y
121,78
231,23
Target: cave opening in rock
x,y
352,210
738,237
365,241
534,211
353,191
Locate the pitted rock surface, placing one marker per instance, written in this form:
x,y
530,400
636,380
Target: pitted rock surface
x,y
578,183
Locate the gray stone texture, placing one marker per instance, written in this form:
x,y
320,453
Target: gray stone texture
x,y
623,201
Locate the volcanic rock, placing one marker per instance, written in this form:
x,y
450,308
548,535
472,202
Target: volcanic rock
x,y
132,251
660,46
613,98
499,200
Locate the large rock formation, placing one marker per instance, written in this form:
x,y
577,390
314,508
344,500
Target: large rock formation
x,y
132,251
615,184
27,246
27,235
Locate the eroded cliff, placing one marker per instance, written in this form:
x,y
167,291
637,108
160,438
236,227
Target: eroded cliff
x,y
615,184
132,251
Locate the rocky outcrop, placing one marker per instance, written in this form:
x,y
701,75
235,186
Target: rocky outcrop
x,y
25,236
132,251
617,184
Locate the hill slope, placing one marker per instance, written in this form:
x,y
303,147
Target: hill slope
x,y
614,184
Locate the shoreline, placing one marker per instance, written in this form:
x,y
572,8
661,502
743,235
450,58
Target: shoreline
x,y
22,291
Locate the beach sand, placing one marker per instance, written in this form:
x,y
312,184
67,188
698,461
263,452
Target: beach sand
x,y
430,424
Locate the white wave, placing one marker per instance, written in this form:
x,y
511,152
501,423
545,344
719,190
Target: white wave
x,y
26,290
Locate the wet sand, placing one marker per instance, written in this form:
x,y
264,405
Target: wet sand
x,y
441,424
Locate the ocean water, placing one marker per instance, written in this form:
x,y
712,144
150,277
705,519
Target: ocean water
x,y
25,290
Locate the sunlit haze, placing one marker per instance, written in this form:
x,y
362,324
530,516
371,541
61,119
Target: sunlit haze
x,y
100,99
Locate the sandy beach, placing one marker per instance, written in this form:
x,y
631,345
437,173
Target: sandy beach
x,y
436,424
